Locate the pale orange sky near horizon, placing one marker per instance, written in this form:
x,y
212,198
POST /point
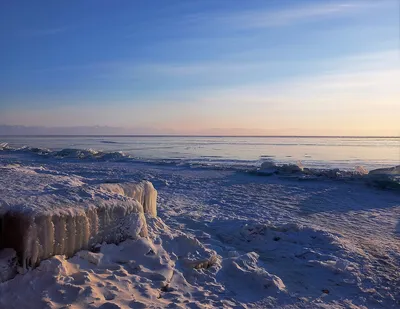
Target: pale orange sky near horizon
x,y
349,103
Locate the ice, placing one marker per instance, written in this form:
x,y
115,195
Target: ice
x,y
386,171
269,168
45,214
143,192
384,178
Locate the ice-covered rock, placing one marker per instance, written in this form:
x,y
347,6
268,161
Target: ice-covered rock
x,y
270,168
395,170
43,213
385,177
143,192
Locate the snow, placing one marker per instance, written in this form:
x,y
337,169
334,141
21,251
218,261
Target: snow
x,y
8,264
220,239
134,274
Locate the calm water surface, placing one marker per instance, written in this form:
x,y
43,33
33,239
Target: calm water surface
x,y
340,152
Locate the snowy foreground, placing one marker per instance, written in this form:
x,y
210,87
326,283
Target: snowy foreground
x,y
220,239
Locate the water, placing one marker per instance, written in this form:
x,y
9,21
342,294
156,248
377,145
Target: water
x,y
319,152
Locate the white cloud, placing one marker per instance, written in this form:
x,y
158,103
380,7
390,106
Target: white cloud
x,y
262,18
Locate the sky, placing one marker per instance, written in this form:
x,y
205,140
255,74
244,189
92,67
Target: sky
x,y
312,67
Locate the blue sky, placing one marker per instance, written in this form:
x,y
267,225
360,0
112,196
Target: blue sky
x,y
189,67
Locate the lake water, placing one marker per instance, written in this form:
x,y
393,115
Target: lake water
x,y
321,152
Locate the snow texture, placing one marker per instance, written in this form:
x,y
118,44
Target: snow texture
x,y
8,264
221,239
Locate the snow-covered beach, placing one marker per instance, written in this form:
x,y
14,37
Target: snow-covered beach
x,y
223,237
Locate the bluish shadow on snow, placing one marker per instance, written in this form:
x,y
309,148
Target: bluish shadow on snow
x,y
340,198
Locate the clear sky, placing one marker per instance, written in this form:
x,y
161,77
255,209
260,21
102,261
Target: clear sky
x,y
203,66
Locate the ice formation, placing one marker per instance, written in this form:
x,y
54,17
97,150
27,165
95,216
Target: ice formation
x,y
395,170
43,214
269,168
143,192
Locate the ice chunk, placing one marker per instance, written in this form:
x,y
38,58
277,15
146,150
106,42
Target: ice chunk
x,y
37,236
395,170
143,192
385,177
269,168
43,213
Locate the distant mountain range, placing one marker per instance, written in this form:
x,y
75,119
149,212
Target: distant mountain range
x,y
106,130
79,130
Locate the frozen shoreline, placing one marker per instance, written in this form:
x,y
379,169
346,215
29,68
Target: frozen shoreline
x,y
344,153
387,177
258,242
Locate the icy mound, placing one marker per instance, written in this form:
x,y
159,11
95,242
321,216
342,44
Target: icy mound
x,y
141,273
71,153
384,178
143,192
270,168
43,213
67,153
386,171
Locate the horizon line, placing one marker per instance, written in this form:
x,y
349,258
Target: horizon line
x,y
196,135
